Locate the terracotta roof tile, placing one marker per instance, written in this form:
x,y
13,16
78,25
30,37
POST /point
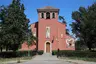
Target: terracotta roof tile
x,y
48,7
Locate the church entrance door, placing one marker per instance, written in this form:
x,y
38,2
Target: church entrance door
x,y
47,47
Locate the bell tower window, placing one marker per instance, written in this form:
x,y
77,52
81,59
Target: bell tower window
x,y
53,15
47,15
42,15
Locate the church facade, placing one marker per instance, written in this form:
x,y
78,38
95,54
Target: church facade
x,y
51,33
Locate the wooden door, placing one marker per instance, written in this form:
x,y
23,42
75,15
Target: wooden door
x,y
48,47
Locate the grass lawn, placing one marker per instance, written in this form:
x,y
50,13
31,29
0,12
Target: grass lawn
x,y
11,57
78,58
85,59
16,60
84,55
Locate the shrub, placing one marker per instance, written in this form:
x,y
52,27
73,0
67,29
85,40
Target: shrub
x,y
10,54
40,52
68,53
54,52
25,53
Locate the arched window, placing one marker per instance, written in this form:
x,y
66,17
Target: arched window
x,y
47,15
53,15
42,15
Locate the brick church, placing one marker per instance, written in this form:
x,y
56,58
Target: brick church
x,y
50,32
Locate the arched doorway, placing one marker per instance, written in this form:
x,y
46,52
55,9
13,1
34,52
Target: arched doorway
x,y
47,47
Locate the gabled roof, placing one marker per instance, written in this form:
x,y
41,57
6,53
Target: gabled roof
x,y
34,23
61,23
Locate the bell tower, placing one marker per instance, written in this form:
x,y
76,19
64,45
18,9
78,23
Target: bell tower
x,y
48,13
47,21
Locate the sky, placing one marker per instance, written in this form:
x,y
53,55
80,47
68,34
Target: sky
x,y
66,7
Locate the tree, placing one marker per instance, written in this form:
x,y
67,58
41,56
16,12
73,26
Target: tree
x,y
30,38
84,26
67,31
2,16
63,21
1,37
62,18
79,45
14,24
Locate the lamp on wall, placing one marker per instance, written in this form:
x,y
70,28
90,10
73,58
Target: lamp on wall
x,y
53,39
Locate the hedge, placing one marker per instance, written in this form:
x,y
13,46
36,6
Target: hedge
x,y
66,53
10,54
25,53
40,52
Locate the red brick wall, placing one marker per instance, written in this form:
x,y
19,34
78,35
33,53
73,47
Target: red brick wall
x,y
56,29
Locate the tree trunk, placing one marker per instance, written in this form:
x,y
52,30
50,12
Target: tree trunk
x,y
28,51
6,48
89,46
36,47
1,49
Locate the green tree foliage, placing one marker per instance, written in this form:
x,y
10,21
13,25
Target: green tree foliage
x,y
63,21
79,45
15,25
84,26
2,15
62,18
30,38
